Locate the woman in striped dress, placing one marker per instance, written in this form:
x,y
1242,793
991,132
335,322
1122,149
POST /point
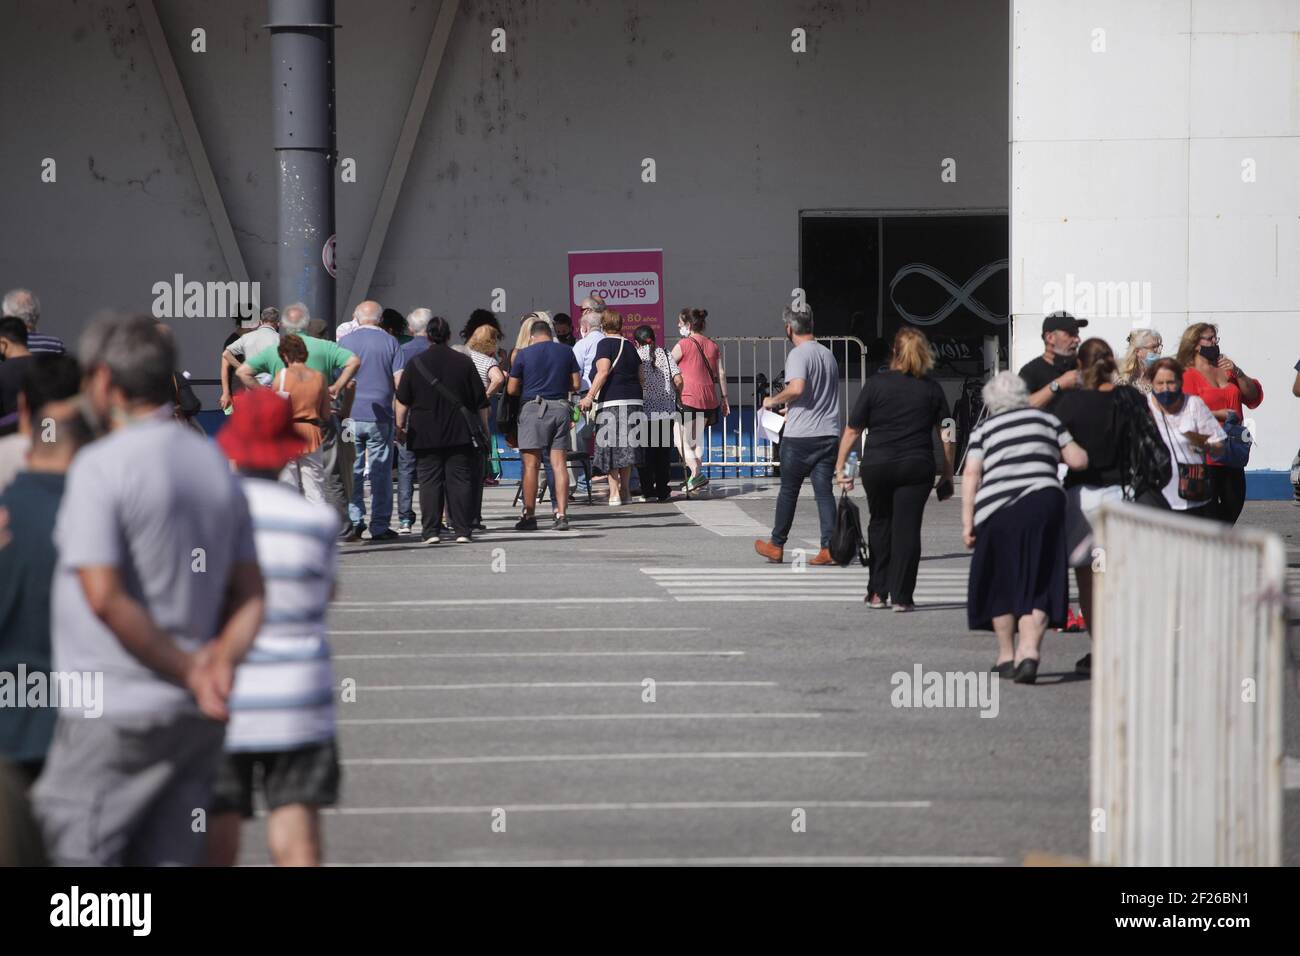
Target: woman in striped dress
x,y
1013,515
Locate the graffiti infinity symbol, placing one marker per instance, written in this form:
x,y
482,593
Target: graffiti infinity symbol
x,y
961,295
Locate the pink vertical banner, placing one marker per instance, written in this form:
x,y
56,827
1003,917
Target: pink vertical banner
x,y
631,281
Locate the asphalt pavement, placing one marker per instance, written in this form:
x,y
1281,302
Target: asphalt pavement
x,y
644,689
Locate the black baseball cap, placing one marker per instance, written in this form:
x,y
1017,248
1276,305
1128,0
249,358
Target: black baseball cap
x,y
1063,322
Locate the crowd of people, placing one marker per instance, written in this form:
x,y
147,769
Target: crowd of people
x,y
199,590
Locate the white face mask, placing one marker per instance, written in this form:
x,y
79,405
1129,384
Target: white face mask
x,y
683,330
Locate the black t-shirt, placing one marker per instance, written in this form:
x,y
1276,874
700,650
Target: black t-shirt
x,y
1039,374
11,383
1093,420
900,413
624,381
435,422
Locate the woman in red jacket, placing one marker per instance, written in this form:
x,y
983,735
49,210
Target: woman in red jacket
x,y
1224,388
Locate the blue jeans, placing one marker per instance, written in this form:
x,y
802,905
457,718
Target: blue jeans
x,y
800,459
374,441
405,484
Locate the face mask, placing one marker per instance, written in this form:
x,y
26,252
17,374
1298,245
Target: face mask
x,y
1210,353
1151,358
1065,363
683,331
1169,397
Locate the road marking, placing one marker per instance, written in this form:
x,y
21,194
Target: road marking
x,y
544,685
588,758
724,518
623,807
376,721
488,602
471,654
711,861
520,630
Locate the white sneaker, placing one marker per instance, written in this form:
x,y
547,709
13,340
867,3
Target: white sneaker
x,y
462,540
616,502
434,540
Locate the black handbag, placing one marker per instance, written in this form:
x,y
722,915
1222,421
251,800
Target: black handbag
x,y
1144,462
1193,478
846,540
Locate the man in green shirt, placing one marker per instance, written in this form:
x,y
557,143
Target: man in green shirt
x,y
338,365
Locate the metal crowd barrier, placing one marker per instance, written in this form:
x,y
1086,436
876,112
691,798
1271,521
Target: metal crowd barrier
x,y
1187,683
736,447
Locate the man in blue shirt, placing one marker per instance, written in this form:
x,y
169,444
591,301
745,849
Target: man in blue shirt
x,y
542,376
372,421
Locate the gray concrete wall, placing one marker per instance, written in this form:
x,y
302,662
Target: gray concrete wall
x,y
522,156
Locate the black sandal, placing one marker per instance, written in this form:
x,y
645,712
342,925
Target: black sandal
x,y
1006,670
1027,671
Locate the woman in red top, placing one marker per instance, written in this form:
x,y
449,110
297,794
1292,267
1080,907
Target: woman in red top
x,y
703,378
1224,388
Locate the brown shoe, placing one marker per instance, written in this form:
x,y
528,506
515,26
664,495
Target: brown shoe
x,y
770,551
823,558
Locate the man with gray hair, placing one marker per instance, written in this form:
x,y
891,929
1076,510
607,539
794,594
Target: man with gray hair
x,y
417,324
593,307
157,592
266,335
810,436
372,421
23,304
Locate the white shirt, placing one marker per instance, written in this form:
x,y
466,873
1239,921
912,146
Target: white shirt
x,y
585,352
1194,416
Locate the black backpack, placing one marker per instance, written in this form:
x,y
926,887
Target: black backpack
x,y
846,540
1144,463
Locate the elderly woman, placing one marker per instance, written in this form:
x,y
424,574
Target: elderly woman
x,y
1144,348
616,395
1013,515
663,383
482,348
309,394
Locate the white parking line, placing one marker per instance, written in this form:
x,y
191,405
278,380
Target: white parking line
x,y
518,630
710,861
488,601
473,654
377,721
622,807
545,685
596,758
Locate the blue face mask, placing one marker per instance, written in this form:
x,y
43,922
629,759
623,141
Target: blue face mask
x,y
1151,358
1169,398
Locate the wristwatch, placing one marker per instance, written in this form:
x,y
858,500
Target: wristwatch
x,y
1055,386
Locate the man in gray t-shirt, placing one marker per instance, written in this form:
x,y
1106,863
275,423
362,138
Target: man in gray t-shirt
x,y
810,437
156,597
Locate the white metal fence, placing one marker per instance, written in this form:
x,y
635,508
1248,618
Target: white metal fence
x,y
1187,686
753,365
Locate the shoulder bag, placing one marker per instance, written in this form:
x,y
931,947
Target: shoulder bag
x,y
710,414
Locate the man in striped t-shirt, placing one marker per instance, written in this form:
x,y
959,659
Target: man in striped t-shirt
x,y
23,304
282,704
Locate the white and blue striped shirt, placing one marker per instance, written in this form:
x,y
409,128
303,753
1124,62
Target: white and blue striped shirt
x,y
283,696
1020,451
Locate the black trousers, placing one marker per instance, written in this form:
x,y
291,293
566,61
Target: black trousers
x,y
654,472
448,475
1229,486
896,494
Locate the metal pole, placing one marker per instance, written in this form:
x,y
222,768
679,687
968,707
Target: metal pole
x,y
302,109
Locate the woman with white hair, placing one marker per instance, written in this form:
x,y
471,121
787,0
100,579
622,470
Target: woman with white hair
x,y
1144,348
1013,515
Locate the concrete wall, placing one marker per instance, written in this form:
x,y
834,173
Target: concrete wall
x,y
1127,167
522,156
